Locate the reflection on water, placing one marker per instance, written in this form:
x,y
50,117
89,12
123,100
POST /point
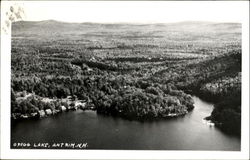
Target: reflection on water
x,y
105,132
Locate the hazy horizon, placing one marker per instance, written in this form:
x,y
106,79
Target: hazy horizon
x,y
186,21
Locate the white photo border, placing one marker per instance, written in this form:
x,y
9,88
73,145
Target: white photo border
x,y
7,153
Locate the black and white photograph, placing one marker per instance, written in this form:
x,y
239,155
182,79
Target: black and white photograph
x,y
116,76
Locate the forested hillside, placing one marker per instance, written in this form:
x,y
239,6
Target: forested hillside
x,y
136,71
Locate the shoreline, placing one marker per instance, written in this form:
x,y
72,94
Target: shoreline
x,y
19,116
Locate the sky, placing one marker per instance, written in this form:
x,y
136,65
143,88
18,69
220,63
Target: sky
x,y
135,12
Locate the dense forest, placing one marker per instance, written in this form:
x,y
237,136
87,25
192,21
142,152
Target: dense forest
x,y
134,71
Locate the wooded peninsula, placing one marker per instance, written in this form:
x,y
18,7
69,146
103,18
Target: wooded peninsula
x,y
135,71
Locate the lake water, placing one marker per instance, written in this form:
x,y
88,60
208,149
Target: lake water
x,y
106,132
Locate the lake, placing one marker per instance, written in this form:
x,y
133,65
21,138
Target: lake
x,y
189,132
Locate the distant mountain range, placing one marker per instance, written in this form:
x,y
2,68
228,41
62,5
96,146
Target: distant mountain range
x,y
192,24
197,30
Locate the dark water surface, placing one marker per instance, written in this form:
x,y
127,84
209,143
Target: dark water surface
x,y
105,132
